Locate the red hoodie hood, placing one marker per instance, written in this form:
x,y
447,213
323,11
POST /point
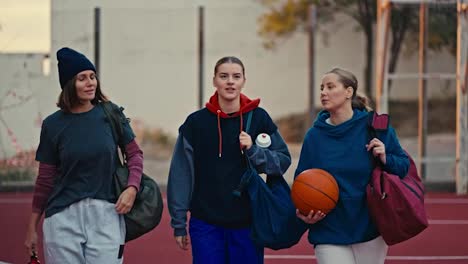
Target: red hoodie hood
x,y
246,105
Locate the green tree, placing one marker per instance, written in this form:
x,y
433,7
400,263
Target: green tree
x,y
285,17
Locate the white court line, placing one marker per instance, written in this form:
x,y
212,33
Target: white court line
x,y
15,201
431,221
445,201
29,200
448,222
388,257
427,257
428,200
290,257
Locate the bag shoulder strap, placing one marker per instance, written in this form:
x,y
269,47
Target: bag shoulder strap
x,y
247,128
114,121
249,120
244,180
113,116
377,123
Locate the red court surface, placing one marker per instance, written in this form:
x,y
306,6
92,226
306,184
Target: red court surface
x,y
445,241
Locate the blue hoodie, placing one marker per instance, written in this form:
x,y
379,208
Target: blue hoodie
x,y
341,150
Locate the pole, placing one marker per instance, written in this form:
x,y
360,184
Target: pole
x,y
97,36
461,168
201,47
312,27
422,84
383,26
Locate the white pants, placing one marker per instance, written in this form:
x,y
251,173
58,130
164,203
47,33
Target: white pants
x,y
89,231
370,252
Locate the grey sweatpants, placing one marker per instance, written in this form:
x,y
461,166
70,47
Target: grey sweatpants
x,y
87,232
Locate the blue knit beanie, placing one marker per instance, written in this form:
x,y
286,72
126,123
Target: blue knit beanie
x,y
70,63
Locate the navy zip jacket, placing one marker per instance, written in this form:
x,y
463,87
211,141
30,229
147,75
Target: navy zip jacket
x,y
341,150
207,164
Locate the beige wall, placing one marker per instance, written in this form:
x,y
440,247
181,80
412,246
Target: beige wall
x,y
22,84
149,56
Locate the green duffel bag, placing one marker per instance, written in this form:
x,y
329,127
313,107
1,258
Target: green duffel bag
x,y
147,209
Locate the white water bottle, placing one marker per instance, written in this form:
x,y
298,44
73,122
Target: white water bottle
x,y
263,140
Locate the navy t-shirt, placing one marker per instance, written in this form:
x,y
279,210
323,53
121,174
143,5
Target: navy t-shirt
x,y
82,147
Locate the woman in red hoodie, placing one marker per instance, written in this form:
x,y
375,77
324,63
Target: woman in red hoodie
x,y
208,163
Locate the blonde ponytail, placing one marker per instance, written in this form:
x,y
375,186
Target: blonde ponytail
x,y
361,102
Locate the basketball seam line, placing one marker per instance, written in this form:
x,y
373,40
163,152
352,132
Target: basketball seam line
x,y
330,178
308,204
321,192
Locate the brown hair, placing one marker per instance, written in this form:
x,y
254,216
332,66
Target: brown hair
x,y
229,59
68,98
348,79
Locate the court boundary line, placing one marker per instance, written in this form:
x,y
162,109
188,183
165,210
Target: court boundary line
x,y
29,200
427,200
270,256
446,201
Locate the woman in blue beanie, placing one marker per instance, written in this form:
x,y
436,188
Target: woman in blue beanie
x,y
77,158
339,143
207,166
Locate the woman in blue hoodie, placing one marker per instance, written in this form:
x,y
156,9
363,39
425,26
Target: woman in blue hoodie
x,y
208,163
339,143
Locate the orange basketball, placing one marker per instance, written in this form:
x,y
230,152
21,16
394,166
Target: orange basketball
x,y
314,189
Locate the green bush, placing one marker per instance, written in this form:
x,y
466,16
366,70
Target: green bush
x,y
17,175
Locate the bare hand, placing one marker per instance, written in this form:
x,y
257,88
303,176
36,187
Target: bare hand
x,y
245,140
378,149
31,241
312,217
126,199
182,242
